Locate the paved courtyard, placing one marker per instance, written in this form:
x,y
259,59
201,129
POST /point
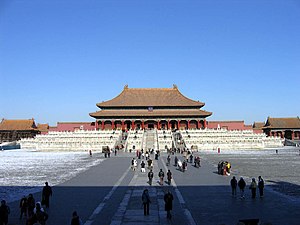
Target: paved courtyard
x,y
110,193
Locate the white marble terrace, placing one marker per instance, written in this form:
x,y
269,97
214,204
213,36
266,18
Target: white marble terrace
x,y
207,139
78,140
210,139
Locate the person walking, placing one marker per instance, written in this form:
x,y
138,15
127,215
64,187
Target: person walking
x,y
150,176
146,201
168,198
75,219
253,186
261,185
175,161
47,192
30,205
161,175
150,164
169,177
242,185
133,164
4,212
168,160
233,184
143,167
191,158
23,207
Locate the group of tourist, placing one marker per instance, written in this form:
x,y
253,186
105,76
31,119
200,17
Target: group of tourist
x,y
182,165
29,208
224,168
33,211
242,185
168,199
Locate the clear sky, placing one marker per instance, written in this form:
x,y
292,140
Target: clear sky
x,y
58,58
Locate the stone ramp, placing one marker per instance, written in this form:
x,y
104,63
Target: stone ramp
x,y
131,211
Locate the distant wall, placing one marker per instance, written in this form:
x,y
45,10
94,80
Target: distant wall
x,y
229,125
72,126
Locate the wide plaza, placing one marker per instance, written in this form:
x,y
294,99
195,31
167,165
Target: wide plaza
x,y
110,193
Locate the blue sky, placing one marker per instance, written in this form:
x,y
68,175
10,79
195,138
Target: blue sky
x,y
58,58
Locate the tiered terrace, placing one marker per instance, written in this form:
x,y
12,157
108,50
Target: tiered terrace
x,y
208,139
165,139
77,140
135,140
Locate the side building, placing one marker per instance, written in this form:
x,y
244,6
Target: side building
x,y
14,130
288,128
149,108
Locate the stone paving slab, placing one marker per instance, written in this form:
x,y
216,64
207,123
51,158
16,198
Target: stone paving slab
x,y
206,196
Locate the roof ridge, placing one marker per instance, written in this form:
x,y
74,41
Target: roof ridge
x,y
150,89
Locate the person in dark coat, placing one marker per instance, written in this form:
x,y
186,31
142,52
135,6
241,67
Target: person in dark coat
x,y
30,205
161,175
261,185
23,207
253,186
233,184
168,198
47,192
4,212
169,177
146,201
75,219
242,185
150,176
175,161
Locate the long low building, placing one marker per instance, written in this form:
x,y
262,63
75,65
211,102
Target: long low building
x,y
14,130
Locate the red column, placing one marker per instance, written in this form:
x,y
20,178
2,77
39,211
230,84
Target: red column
x,y
96,125
102,124
132,124
204,124
143,125
112,124
188,124
178,124
169,125
293,135
158,125
123,125
199,124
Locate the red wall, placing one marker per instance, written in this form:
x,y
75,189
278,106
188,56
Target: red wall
x,y
229,125
70,126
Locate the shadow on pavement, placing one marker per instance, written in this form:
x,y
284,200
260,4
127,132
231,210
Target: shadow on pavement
x,y
209,205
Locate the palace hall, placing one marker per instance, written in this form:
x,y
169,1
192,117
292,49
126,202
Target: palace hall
x,y
148,108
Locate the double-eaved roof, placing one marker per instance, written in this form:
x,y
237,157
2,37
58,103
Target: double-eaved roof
x,y
150,97
150,102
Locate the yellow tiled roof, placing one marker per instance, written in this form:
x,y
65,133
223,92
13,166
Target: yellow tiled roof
x,y
150,113
150,97
18,124
283,123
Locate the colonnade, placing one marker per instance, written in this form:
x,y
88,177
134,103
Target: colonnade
x,y
289,134
131,124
